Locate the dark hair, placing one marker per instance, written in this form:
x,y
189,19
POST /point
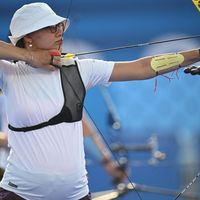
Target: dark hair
x,y
20,43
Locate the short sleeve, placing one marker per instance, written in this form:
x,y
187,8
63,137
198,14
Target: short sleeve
x,y
95,72
5,67
1,74
1,80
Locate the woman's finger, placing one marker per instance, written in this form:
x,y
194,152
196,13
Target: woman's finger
x,y
51,67
55,61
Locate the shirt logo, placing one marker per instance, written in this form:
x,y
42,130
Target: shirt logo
x,y
12,184
197,4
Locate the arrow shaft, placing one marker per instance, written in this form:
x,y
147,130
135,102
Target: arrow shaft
x,y
135,45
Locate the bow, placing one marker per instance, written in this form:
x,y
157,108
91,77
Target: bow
x,y
123,189
131,186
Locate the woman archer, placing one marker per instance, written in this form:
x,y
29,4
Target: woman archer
x,y
44,96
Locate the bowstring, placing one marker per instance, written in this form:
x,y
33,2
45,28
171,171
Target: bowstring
x,y
69,8
114,156
188,186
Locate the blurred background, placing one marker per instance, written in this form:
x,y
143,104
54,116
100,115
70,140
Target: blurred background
x,y
170,114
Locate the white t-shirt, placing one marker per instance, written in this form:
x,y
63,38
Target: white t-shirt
x,y
3,129
47,163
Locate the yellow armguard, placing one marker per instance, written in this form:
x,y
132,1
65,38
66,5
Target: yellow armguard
x,y
167,61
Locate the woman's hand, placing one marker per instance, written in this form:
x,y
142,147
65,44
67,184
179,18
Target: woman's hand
x,y
49,59
193,70
36,58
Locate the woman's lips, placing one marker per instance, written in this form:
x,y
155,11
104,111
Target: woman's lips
x,y
59,42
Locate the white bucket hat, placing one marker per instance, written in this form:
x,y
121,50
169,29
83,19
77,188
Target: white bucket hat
x,y
32,17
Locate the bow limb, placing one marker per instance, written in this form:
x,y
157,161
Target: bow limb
x,y
123,189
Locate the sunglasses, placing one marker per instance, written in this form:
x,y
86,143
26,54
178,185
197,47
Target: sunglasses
x,y
56,27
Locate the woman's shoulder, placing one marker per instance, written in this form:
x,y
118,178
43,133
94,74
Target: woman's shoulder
x,y
7,67
6,63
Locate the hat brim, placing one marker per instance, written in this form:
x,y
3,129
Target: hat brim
x,y
45,22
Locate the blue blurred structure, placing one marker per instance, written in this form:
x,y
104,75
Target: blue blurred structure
x,y
173,112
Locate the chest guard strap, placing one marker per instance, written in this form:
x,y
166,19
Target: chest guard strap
x,y
74,94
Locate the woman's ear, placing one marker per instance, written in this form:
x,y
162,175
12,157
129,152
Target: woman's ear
x,y
28,41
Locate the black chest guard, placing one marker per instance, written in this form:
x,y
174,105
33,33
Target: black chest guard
x,y
74,94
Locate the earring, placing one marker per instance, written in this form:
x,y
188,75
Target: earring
x,y
30,45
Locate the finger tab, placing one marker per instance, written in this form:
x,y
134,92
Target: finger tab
x,y
54,53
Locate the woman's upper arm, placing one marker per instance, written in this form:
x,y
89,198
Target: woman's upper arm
x,y
1,74
133,70
124,71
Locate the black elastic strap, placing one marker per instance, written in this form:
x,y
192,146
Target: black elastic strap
x,y
74,94
31,128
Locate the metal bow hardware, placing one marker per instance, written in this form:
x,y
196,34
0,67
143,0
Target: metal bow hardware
x,y
192,70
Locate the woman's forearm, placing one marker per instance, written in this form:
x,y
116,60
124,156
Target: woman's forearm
x,y
35,58
10,52
149,67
